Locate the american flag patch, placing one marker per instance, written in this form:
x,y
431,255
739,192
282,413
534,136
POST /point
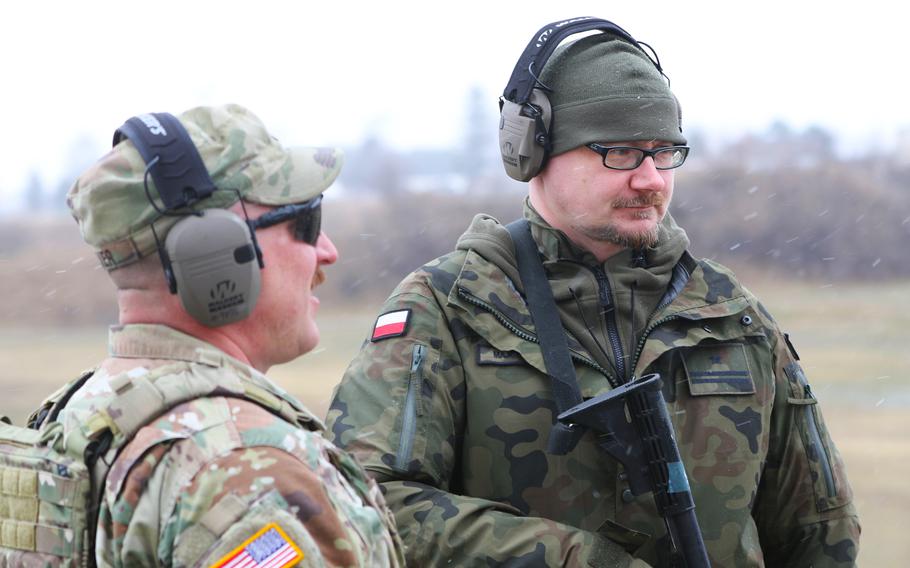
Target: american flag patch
x,y
391,324
270,547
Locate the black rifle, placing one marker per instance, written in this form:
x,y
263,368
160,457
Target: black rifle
x,y
646,447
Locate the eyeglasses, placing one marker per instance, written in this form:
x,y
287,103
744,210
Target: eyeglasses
x,y
629,157
307,218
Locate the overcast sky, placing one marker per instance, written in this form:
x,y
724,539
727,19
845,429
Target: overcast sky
x,y
323,73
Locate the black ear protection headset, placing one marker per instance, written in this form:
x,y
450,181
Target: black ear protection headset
x,y
208,256
525,111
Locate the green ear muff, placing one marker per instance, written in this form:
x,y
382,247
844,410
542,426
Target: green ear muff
x,y
526,115
524,140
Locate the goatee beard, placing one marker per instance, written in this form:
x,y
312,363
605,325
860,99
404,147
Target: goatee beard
x,y
611,234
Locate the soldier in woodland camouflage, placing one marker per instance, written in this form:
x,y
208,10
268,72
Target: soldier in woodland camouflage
x,y
224,466
449,406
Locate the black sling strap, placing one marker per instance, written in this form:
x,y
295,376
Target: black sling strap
x,y
550,334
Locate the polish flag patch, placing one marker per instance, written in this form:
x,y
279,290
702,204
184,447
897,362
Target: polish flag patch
x,y
391,324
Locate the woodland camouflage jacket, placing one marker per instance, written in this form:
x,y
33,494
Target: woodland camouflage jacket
x,y
238,468
452,414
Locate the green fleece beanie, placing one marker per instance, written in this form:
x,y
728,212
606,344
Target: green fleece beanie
x,y
607,90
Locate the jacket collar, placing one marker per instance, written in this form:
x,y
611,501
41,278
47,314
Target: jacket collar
x,y
153,341
165,344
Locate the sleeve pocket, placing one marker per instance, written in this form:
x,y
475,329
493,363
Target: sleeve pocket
x,y
411,442
825,464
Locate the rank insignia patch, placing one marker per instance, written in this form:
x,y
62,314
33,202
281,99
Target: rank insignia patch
x,y
718,369
392,324
270,547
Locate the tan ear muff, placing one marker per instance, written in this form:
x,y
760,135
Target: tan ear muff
x,y
210,258
215,268
524,135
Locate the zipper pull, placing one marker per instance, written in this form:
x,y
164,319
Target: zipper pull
x,y
417,356
606,302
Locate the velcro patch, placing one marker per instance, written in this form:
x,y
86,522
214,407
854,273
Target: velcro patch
x,y
718,369
489,355
391,324
270,547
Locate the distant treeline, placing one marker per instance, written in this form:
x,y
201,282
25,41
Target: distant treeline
x,y
785,205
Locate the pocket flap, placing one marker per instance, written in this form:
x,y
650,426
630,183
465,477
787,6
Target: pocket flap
x,y
720,369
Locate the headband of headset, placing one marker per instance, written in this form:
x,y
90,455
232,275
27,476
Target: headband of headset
x,y
542,45
174,162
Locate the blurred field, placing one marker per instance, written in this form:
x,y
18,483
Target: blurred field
x,y
852,340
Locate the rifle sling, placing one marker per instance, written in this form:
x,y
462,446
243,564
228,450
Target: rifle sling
x,y
550,335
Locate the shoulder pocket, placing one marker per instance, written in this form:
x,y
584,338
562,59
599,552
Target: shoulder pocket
x,y
720,369
412,411
827,468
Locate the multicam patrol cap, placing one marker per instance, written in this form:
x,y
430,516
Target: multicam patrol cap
x,y
110,204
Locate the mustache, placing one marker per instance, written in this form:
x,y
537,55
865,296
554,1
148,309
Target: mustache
x,y
318,278
647,200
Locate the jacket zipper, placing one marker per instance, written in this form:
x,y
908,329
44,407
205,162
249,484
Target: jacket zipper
x,y
815,436
524,334
606,302
413,408
644,338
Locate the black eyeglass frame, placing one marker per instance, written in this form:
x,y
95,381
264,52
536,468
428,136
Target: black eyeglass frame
x,y
642,154
307,215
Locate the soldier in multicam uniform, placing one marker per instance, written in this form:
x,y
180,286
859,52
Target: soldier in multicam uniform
x,y
241,476
449,406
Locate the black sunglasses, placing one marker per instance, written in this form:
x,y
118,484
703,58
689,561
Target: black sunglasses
x,y
307,218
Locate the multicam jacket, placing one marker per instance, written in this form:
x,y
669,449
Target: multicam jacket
x,y
449,407
220,480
